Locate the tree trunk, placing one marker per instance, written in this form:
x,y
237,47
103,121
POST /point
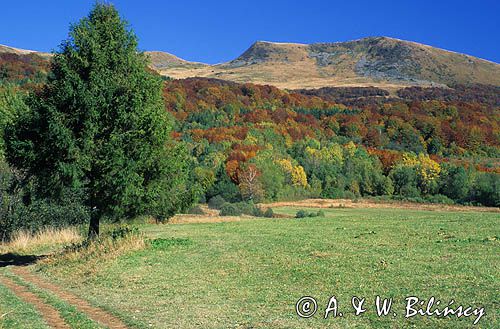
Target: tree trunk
x,y
94,226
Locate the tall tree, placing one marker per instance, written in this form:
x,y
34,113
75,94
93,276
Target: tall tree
x,y
100,126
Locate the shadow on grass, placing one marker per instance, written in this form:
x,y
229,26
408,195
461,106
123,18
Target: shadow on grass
x,y
10,259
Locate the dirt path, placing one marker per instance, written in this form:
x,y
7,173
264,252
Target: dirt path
x,y
94,313
50,314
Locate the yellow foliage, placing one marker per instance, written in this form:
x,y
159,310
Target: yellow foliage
x,y
251,140
429,169
286,165
350,148
331,153
296,174
409,160
299,177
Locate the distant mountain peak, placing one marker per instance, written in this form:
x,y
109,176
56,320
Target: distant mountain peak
x,y
371,61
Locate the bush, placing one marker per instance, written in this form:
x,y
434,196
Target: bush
x,y
196,210
439,198
258,212
230,209
216,202
20,211
305,213
269,213
486,189
301,214
248,208
244,208
121,232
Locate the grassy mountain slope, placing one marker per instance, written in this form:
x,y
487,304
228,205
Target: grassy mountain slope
x,y
376,61
379,61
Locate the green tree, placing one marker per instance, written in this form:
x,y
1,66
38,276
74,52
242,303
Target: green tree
x,y
99,126
454,182
11,103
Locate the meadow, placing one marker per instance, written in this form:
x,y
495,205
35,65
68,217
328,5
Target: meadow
x,y
249,273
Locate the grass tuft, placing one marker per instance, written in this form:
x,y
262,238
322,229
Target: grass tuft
x,y
24,241
90,254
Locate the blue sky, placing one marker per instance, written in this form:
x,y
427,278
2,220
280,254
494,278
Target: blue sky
x,y
217,31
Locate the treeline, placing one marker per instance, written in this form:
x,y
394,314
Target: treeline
x,y
476,93
345,95
25,70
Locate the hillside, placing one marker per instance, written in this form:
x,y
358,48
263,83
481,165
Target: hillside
x,y
165,61
11,50
378,61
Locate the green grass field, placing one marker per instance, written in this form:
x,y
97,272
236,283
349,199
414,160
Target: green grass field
x,y
251,273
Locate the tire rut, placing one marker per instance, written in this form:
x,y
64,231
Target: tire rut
x,y
94,313
49,313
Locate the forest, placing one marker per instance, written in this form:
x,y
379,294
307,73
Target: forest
x,y
261,143
252,143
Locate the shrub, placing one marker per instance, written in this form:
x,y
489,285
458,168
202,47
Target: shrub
x,y
122,232
21,211
439,198
244,208
230,209
258,212
248,208
305,213
269,213
163,244
301,214
486,189
216,202
196,210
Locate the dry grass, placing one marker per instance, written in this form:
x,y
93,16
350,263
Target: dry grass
x,y
24,241
367,203
191,219
88,257
291,66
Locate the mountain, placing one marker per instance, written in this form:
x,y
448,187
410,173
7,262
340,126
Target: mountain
x,y
11,50
165,61
374,61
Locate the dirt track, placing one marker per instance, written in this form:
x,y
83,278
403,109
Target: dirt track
x,y
50,314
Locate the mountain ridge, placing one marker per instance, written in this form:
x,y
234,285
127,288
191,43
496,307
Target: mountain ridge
x,y
372,61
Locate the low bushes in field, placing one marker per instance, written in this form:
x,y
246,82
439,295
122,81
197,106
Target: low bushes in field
x,y
39,215
269,213
305,214
216,202
20,210
244,208
196,210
